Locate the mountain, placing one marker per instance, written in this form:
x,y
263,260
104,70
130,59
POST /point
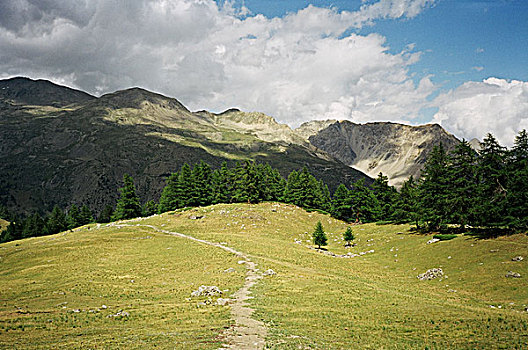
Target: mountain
x,y
62,146
25,91
396,150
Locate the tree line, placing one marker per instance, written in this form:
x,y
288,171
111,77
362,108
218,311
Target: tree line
x,y
463,188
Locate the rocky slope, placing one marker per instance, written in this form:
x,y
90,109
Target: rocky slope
x,y
396,150
62,146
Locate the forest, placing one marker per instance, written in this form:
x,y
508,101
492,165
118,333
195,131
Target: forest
x,y
480,191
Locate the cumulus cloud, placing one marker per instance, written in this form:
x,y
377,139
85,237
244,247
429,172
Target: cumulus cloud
x,y
475,108
305,65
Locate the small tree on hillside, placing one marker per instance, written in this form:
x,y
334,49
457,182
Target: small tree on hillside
x,y
128,206
319,236
348,236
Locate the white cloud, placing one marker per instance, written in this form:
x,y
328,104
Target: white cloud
x,y
299,67
476,108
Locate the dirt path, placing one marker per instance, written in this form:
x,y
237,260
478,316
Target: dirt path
x,y
247,333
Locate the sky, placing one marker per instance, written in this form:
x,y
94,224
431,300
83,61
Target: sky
x,y
460,63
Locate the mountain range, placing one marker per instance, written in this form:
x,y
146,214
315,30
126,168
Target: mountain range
x,y
63,146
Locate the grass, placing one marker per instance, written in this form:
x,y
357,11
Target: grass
x,y
315,301
3,224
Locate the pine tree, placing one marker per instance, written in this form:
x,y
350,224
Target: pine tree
x,y
434,188
128,206
462,185
33,226
73,217
365,205
492,183
222,185
55,222
406,207
517,197
86,216
150,208
202,191
186,185
342,204
171,196
106,214
348,236
386,196
319,236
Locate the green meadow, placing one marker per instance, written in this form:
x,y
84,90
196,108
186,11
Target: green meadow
x,y
130,286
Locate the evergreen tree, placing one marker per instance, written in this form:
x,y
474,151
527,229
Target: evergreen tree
x,y
74,217
106,214
14,230
222,185
385,195
202,191
492,182
406,208
434,188
150,208
517,197
171,196
292,189
55,222
186,185
365,205
128,206
348,236
319,236
342,204
33,226
86,216
462,185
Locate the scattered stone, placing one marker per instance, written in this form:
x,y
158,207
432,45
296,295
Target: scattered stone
x,y
76,310
452,291
494,250
132,281
526,309
120,314
229,270
269,272
196,217
222,301
430,274
297,241
240,262
104,307
518,258
513,274
206,291
433,240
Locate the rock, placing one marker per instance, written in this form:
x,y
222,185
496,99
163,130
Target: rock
x,y
222,301
240,262
269,272
196,217
513,274
120,314
229,270
518,258
433,240
104,307
430,274
206,291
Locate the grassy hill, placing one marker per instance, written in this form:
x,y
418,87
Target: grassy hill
x,y
53,288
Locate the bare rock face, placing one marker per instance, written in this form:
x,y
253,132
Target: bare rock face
x,y
396,150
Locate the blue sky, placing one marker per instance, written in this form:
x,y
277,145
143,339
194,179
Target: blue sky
x,y
460,40
459,63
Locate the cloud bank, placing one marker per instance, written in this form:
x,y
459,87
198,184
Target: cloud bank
x,y
493,105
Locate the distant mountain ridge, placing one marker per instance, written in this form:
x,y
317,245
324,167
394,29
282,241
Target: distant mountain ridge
x,y
62,146
396,150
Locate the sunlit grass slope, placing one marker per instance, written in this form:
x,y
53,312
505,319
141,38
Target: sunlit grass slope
x,y
315,301
52,291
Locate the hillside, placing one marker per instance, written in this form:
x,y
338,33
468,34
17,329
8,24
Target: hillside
x,y
396,150
129,284
64,153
